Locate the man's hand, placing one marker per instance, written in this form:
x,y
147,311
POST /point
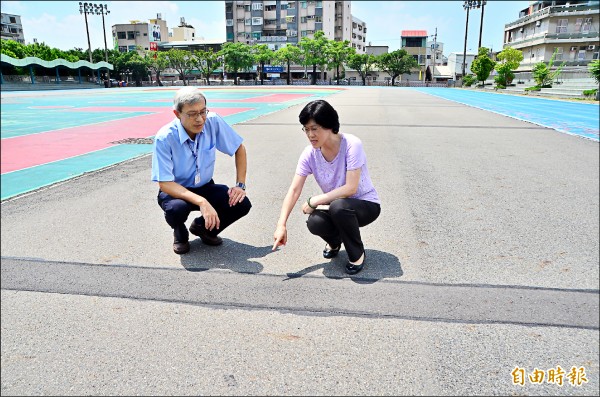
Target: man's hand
x,y
211,219
236,195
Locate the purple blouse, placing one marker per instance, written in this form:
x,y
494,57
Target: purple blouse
x,y
331,175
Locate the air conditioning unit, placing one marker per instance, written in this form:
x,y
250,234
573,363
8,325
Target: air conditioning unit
x,y
573,48
591,47
538,23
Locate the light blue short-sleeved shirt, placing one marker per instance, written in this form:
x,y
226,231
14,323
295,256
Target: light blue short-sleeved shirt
x,y
176,158
330,175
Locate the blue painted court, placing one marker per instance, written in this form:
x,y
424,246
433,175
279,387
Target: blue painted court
x,y
581,119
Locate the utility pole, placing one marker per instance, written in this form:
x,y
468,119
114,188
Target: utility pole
x,y
435,48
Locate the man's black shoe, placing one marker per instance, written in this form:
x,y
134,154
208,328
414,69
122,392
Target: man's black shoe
x,y
181,248
201,232
181,237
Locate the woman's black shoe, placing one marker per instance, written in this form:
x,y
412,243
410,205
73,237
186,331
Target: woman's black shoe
x,y
331,253
353,269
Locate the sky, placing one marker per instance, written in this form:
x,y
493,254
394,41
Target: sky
x,y
59,23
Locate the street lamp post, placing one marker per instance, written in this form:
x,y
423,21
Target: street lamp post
x,y
483,3
468,5
102,9
86,8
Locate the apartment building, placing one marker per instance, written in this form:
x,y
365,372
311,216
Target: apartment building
x,y
183,32
12,29
279,22
145,35
359,35
571,28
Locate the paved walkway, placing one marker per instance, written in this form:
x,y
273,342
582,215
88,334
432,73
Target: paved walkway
x,y
482,269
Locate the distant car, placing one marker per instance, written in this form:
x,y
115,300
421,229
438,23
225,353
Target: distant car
x,y
114,83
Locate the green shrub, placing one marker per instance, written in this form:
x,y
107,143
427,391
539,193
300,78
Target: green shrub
x,y
534,88
590,92
468,80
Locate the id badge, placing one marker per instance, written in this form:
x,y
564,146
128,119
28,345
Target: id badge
x,y
197,179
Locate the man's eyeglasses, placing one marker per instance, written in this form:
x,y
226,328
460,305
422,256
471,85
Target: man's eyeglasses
x,y
194,115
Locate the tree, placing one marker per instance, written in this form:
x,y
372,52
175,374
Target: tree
x,y
157,62
543,74
363,64
288,55
314,52
180,60
397,63
509,59
206,62
132,62
13,49
338,52
483,65
237,57
262,54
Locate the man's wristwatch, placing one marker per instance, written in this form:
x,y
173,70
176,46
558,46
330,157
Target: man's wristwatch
x,y
241,185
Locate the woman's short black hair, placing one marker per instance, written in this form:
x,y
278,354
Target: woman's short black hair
x,y
322,113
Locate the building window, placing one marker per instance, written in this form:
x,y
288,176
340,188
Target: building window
x,y
302,19
13,20
257,6
587,24
303,33
248,22
122,48
559,53
131,48
581,55
561,26
257,21
303,4
130,35
121,35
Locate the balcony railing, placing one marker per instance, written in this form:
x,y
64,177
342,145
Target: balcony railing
x,y
551,37
555,11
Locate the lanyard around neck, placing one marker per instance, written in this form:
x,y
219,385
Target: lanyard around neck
x,y
194,149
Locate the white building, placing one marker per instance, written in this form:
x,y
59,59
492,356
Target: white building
x,y
145,35
183,32
570,28
359,36
455,64
12,29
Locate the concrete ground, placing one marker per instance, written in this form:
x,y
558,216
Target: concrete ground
x,y
484,261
